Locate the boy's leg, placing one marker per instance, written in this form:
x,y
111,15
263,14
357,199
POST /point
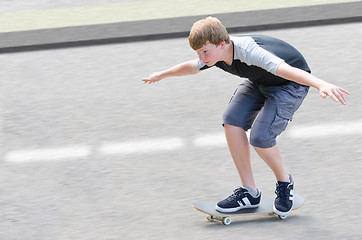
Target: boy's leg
x,y
282,102
274,160
283,202
239,116
240,151
279,108
242,110
247,196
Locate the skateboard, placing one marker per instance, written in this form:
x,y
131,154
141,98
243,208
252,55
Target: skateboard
x,y
265,207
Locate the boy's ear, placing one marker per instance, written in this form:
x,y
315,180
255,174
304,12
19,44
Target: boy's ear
x,y
222,44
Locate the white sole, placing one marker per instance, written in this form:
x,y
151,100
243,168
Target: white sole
x,y
283,214
229,210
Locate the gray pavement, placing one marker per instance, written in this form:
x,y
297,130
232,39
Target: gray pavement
x,y
89,103
158,19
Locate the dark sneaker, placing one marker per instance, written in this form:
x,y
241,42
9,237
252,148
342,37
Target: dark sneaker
x,y
283,203
240,199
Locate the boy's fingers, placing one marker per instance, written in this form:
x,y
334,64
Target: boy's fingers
x,y
147,80
341,96
323,95
345,91
337,94
332,95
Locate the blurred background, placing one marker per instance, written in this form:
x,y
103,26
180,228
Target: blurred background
x,y
87,151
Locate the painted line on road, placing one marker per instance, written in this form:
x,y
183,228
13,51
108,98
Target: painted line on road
x,y
326,130
48,154
210,140
142,146
150,146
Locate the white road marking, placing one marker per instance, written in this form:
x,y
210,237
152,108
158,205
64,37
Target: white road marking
x,y
210,140
76,151
326,130
172,144
143,146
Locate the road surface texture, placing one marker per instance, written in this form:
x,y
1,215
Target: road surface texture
x,y
87,151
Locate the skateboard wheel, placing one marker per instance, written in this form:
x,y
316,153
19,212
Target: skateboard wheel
x,y
226,221
282,217
210,218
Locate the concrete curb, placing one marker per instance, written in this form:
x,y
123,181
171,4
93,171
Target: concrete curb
x,y
178,27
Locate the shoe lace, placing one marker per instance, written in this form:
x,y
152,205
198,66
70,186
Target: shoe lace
x,y
282,192
238,193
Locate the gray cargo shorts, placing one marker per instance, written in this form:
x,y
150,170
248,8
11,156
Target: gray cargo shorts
x,y
266,110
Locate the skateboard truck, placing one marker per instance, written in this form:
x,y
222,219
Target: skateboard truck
x,y
224,220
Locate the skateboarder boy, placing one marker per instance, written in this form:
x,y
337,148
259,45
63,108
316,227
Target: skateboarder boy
x,y
276,79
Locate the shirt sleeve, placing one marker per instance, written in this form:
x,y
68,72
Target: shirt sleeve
x,y
248,51
200,64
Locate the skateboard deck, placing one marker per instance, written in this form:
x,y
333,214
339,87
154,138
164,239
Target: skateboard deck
x,y
265,207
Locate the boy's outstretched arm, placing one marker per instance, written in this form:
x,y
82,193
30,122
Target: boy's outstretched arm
x,y
302,77
186,68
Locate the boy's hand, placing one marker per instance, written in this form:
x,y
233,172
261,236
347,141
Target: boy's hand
x,y
333,91
154,77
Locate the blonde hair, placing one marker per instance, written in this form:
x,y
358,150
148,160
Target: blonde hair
x,y
209,29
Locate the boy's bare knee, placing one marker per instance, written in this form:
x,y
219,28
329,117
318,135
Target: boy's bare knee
x,y
229,127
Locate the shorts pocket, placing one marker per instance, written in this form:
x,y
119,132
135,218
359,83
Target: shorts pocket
x,y
282,117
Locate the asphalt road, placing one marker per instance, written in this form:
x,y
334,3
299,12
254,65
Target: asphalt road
x,y
87,151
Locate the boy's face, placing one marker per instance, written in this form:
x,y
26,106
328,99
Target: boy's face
x,y
210,53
